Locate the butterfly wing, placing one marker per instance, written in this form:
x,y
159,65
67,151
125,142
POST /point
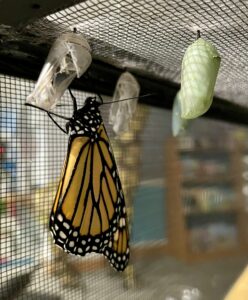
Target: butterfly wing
x,y
89,199
117,250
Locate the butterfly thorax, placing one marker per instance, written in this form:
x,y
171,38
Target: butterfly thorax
x,y
86,120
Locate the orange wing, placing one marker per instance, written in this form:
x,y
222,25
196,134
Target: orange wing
x,y
117,250
86,213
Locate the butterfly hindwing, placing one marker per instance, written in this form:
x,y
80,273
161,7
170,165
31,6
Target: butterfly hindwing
x,y
89,204
117,250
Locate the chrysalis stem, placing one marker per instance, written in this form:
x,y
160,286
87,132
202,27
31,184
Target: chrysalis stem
x,y
198,34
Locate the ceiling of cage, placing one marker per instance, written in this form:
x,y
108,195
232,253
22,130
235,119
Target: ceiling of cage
x,y
151,37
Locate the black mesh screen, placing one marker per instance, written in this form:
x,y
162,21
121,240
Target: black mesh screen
x,y
149,37
152,36
32,154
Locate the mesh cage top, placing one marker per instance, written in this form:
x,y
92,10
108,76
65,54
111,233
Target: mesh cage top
x,y
152,36
149,37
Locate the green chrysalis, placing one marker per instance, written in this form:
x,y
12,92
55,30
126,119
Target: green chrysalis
x,y
200,67
179,125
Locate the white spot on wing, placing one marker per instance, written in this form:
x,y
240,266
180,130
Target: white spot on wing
x,y
75,234
60,218
71,244
62,235
66,225
122,222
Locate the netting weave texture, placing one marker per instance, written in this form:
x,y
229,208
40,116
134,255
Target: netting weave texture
x,y
32,153
152,36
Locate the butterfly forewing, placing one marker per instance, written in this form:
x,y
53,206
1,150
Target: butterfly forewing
x,y
89,202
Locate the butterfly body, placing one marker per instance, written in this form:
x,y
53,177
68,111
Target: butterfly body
x,y
88,213
86,120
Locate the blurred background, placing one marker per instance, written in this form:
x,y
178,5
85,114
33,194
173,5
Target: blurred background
x,y
187,197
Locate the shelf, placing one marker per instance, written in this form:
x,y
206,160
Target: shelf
x,y
198,212
198,178
220,179
213,254
212,151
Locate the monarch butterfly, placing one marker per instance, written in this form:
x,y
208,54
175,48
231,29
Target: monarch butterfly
x,y
88,213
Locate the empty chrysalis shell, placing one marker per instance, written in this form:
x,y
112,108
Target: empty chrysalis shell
x,y
179,125
68,58
200,67
121,112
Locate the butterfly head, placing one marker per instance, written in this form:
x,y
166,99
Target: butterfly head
x,y
91,104
92,101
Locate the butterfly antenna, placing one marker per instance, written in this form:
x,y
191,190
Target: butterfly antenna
x,y
126,99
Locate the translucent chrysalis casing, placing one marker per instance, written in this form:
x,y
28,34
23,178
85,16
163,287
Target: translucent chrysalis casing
x,y
121,113
200,67
69,57
179,125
